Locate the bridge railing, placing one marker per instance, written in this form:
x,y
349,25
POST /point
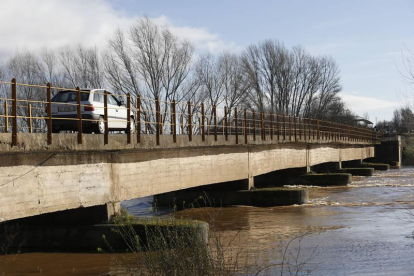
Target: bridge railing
x,y
30,111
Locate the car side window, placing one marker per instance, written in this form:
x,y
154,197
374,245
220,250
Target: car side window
x,y
98,97
111,100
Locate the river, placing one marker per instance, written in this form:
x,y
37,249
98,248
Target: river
x,y
362,229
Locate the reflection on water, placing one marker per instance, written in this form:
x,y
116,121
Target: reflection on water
x,y
362,229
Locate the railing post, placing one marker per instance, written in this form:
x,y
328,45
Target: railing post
x,y
305,128
157,121
277,127
295,127
79,109
271,126
190,123
215,122
182,123
29,107
174,122
106,134
262,126
284,127
245,126
128,99
254,126
203,119
226,131
139,119
317,130
14,112
236,125
6,114
49,113
348,137
161,123
290,127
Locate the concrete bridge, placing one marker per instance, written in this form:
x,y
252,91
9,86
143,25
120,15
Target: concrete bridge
x,y
42,172
37,177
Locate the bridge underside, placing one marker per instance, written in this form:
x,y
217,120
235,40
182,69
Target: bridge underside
x,y
42,181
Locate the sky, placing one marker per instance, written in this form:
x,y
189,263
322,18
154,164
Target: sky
x,y
368,38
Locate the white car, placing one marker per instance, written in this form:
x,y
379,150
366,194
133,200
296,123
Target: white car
x,y
92,101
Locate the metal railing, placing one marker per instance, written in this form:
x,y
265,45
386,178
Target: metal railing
x,y
152,116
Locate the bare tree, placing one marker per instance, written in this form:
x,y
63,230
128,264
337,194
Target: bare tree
x,y
28,69
152,63
82,67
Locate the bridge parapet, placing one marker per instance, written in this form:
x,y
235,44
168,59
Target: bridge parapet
x,y
211,124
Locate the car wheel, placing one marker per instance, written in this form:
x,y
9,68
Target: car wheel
x,y
100,126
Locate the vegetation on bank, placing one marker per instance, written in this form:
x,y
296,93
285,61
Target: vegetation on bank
x,y
171,251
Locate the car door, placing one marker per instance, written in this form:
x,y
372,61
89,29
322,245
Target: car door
x,y
122,114
112,112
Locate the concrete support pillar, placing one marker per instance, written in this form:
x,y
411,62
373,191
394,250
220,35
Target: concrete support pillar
x,y
113,209
250,182
308,165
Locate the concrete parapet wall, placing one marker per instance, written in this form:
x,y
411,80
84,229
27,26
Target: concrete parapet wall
x,y
36,180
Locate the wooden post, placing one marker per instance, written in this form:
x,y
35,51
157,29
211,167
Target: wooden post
x,y
254,126
290,127
190,123
277,127
174,121
300,123
295,125
215,122
157,121
305,128
225,124
245,126
182,123
317,130
263,127
49,114
29,107
271,126
161,123
138,119
284,127
208,127
6,114
128,106
79,109
203,133
236,125
106,134
14,112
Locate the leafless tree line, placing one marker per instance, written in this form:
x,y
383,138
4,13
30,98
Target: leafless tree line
x,y
151,62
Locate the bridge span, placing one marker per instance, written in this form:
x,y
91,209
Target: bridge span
x,y
39,178
43,172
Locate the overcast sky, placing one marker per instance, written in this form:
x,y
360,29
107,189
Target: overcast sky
x,y
367,38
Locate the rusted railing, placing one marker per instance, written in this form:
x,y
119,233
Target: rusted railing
x,y
153,116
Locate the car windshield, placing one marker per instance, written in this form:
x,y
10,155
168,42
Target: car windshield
x,y
70,96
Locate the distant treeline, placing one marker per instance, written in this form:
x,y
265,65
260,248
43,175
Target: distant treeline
x,y
152,62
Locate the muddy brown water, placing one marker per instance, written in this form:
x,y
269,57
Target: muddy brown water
x,y
362,229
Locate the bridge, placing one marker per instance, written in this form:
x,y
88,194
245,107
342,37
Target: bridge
x,y
176,146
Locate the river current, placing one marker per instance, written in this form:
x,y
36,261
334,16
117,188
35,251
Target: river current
x,y
365,228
